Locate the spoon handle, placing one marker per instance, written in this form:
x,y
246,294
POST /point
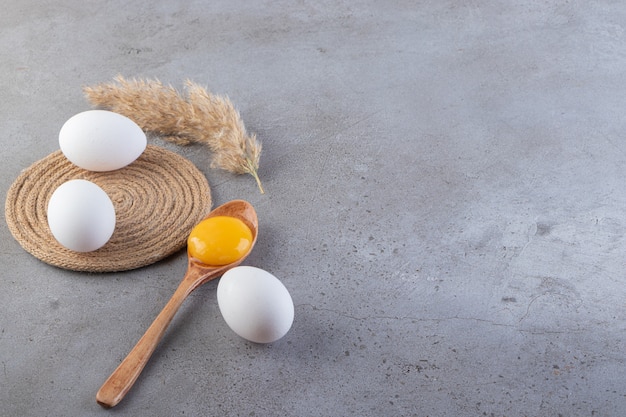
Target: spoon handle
x,y
122,379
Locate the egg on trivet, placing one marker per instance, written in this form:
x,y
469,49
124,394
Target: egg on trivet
x,y
101,140
255,304
81,216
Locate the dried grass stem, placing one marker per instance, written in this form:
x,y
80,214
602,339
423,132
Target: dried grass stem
x,y
197,117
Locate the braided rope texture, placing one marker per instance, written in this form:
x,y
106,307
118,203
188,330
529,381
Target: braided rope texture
x,y
158,199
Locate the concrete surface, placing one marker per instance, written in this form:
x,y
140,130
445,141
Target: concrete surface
x,y
445,203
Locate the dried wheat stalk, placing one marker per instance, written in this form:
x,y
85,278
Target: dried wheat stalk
x,y
198,117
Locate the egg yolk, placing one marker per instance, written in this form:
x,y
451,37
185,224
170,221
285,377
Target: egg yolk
x,y
219,240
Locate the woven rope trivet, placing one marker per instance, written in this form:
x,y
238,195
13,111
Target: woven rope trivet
x,y
158,199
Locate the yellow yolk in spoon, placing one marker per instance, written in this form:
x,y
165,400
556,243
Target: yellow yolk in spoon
x,y
219,240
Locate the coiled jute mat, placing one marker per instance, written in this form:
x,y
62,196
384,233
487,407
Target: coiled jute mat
x,y
158,199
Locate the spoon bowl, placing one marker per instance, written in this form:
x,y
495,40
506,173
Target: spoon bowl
x,y
122,379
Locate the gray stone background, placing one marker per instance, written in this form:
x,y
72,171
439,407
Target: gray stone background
x,y
445,203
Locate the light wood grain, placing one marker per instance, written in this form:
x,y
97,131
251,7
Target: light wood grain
x,y
122,379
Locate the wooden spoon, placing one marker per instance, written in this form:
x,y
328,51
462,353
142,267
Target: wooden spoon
x,y
123,378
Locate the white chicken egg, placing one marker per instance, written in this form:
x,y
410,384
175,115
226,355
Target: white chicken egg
x,y
81,216
101,140
255,304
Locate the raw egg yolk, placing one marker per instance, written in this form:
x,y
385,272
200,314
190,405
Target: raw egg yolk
x,y
219,240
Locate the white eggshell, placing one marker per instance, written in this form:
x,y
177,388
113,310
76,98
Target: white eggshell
x,y
255,304
100,140
81,216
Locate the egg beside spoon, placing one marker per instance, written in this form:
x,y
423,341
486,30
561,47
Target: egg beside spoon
x,y
255,304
